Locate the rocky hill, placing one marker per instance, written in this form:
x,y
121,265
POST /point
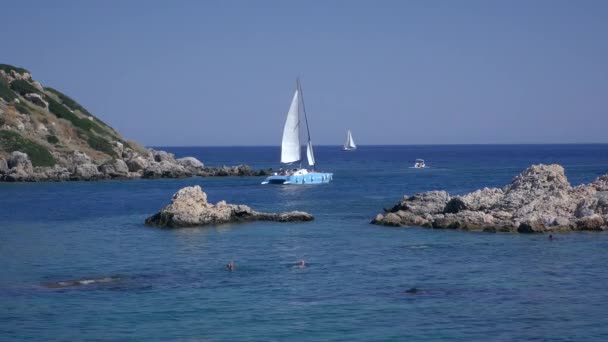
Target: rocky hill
x,y
47,136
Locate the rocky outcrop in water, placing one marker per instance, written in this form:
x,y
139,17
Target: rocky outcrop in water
x,y
540,199
189,207
79,166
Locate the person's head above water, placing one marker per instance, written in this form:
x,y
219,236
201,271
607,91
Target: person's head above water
x,y
230,266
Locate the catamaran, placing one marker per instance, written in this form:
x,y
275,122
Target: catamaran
x,y
291,149
349,145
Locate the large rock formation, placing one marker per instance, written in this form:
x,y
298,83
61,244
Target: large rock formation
x,y
189,207
540,199
58,139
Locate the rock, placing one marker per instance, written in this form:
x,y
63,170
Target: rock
x,y
482,199
601,183
118,147
592,222
160,156
86,172
454,205
392,219
128,153
38,86
137,163
37,100
116,168
80,158
189,207
3,166
42,129
20,161
165,169
540,199
427,202
190,163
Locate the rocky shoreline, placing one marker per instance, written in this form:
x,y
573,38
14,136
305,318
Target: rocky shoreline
x,y
540,199
132,165
189,208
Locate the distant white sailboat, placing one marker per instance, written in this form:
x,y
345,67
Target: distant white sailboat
x,y
290,148
349,145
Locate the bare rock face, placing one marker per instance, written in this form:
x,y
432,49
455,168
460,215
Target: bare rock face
x,y
601,183
137,163
3,166
160,156
37,100
116,168
80,158
20,162
190,163
189,207
540,199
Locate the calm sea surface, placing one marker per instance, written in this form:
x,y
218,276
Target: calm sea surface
x,y
173,285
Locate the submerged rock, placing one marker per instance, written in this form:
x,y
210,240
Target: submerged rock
x,y
189,207
81,282
540,199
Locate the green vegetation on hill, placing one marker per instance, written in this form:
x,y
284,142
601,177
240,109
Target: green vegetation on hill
x,y
52,139
66,100
97,143
62,112
22,108
23,87
5,92
7,68
11,141
72,104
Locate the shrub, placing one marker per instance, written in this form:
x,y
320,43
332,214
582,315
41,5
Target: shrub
x,y
23,87
7,68
72,104
99,143
22,108
52,139
5,92
62,112
66,100
11,141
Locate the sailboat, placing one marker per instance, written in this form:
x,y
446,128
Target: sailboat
x,y
291,149
349,145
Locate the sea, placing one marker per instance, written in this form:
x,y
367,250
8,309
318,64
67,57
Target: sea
x,y
78,263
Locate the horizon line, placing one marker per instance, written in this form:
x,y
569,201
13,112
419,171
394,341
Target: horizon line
x,y
380,145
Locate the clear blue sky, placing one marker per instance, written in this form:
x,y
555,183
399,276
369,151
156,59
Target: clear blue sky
x,y
395,72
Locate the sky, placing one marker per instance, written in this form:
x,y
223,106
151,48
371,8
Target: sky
x,y
204,73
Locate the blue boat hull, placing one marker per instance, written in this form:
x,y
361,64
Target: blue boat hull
x,y
309,178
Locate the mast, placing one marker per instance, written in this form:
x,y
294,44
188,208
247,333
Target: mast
x,y
309,151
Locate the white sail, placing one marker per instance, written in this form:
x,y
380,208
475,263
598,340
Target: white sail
x,y
310,154
350,143
290,147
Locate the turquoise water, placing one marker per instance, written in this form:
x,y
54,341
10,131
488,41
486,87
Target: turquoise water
x,y
173,285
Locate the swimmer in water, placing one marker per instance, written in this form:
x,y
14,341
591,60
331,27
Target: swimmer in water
x,y
550,237
230,266
301,264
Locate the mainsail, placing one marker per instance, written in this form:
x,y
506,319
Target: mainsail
x,y
290,147
350,143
